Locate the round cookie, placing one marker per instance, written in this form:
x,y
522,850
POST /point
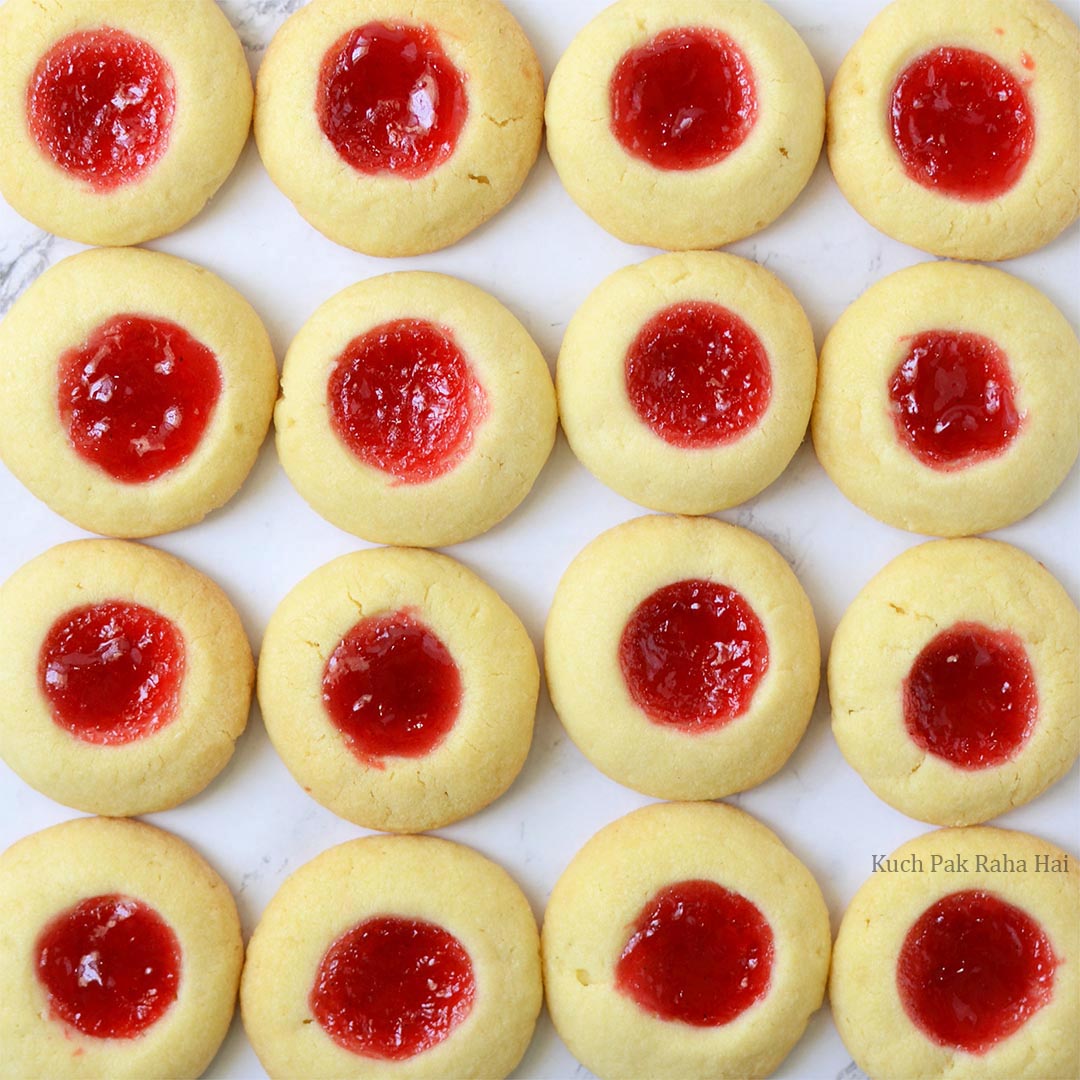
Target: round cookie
x,y
686,382
396,127
952,679
952,127
138,390
682,657
947,399
401,956
958,958
125,674
685,124
120,954
119,118
399,689
684,942
415,409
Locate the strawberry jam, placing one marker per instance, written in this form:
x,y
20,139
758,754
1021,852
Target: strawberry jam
x,y
684,100
390,100
111,672
392,988
962,124
699,954
100,104
692,655
973,969
391,688
110,967
953,399
698,375
403,399
970,696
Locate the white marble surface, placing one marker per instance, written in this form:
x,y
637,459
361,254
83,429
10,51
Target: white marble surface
x,y
541,256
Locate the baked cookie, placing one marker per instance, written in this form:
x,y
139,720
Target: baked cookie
x,y
952,127
947,400
682,657
398,126
138,389
952,679
685,123
399,956
125,675
685,382
684,942
958,958
120,954
119,119
415,409
399,689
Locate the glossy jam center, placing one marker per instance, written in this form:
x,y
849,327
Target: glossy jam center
x,y
962,124
110,967
699,953
953,400
100,104
390,100
111,672
684,100
404,399
392,688
692,655
973,969
698,375
392,988
970,696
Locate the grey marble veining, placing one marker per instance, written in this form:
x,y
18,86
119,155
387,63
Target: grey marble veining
x,y
256,20
24,254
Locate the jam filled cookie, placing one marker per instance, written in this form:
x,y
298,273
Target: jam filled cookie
x,y
958,957
953,681
684,942
686,382
138,389
399,689
398,126
685,123
952,127
947,400
394,956
119,119
120,954
125,675
415,409
682,657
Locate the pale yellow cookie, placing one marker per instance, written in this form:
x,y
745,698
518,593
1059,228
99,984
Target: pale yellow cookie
x,y
86,905
119,118
685,382
400,957
958,958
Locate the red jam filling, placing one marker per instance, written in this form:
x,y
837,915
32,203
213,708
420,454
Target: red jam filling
x,y
100,104
390,100
970,696
110,967
391,688
692,655
111,672
136,396
684,100
953,399
403,399
699,953
698,375
962,124
973,970
392,988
